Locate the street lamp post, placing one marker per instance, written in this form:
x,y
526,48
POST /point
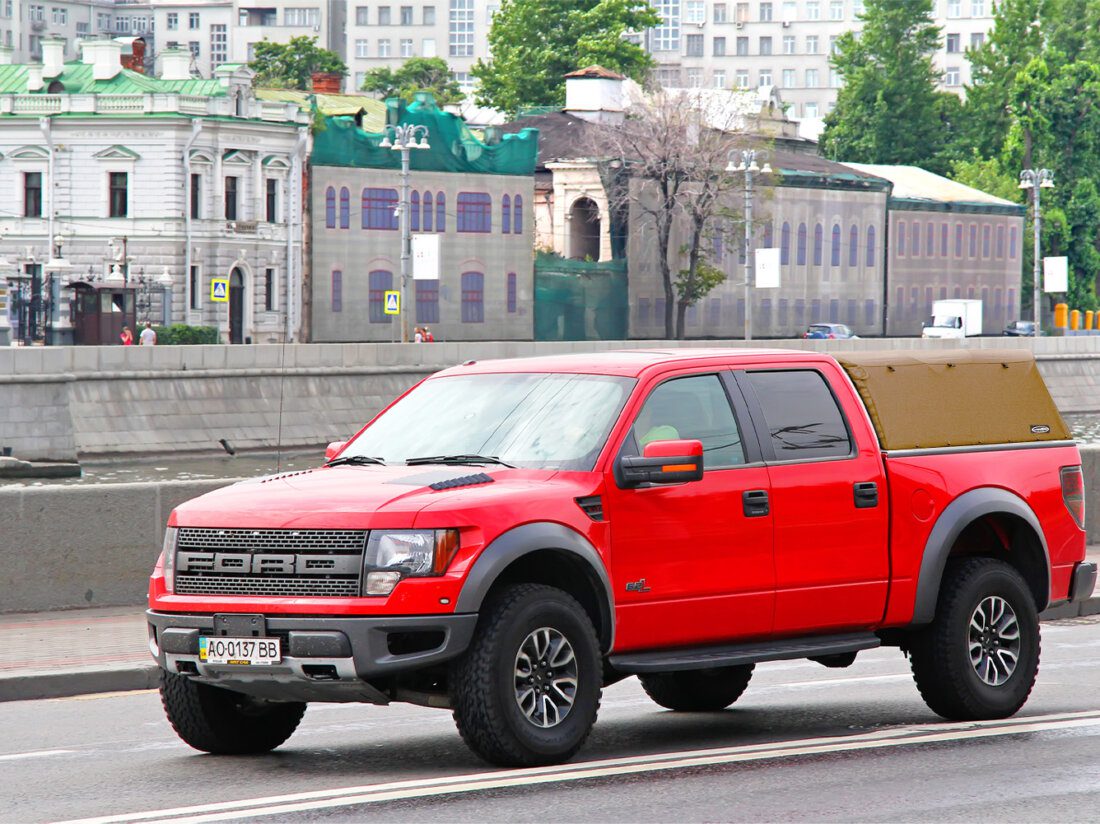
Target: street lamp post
x,y
1036,179
404,139
747,163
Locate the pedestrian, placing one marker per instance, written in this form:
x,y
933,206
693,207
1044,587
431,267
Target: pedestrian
x,y
418,336
127,337
428,336
148,336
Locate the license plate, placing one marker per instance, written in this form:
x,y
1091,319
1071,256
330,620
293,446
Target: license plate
x,y
256,652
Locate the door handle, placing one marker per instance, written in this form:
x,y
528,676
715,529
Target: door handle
x,y
866,494
754,503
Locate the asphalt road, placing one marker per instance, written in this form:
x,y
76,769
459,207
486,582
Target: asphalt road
x,y
805,743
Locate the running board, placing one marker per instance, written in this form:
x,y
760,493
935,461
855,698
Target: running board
x,y
695,658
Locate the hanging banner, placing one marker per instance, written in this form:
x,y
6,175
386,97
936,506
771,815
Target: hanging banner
x,y
1055,274
767,268
425,255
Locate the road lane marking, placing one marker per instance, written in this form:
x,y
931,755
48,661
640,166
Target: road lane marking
x,y
605,768
18,756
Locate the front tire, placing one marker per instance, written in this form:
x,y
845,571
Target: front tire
x,y
527,691
220,721
980,656
706,690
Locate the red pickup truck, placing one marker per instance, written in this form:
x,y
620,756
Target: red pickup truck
x,y
509,537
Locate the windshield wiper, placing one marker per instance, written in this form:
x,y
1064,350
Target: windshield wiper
x,y
457,459
356,460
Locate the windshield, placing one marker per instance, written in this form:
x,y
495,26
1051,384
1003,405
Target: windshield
x,y
947,321
533,420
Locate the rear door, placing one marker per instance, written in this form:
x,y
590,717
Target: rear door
x,y
691,563
828,498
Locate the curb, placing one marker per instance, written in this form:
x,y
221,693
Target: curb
x,y
63,683
1090,606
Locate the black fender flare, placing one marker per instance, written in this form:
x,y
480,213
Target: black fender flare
x,y
958,515
524,540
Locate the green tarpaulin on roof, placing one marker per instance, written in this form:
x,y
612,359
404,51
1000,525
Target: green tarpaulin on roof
x,y
454,148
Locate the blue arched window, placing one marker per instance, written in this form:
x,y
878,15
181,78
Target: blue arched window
x,y
801,259
853,246
345,208
414,212
505,215
473,297
819,243
870,246
330,208
517,215
785,244
427,211
834,252
441,212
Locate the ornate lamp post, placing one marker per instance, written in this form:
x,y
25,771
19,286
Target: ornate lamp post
x,y
404,139
747,163
1036,179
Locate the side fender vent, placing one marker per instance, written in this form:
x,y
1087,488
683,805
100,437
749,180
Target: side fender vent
x,y
592,506
463,480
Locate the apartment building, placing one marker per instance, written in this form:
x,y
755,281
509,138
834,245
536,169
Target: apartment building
x,y
24,24
787,43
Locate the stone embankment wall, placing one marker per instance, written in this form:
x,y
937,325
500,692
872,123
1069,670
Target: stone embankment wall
x,y
70,402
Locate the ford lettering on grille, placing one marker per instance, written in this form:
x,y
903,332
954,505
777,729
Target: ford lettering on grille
x,y
269,562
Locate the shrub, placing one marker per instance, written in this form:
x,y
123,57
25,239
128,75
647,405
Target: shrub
x,y
180,334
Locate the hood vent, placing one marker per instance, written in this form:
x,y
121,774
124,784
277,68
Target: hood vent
x,y
462,480
285,475
592,506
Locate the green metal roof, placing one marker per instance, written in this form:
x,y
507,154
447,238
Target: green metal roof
x,y
77,78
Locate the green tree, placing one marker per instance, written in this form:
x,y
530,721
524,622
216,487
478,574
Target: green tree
x,y
418,74
291,65
535,43
888,110
989,176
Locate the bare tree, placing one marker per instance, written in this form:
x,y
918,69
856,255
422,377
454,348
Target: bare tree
x,y
674,148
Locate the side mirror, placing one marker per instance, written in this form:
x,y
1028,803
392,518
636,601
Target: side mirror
x,y
663,462
333,449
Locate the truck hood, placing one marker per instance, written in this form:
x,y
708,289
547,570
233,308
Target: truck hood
x,y
353,497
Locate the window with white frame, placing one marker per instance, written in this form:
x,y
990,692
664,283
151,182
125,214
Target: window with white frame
x,y
764,78
694,78
834,79
193,20
811,78
428,17
406,15
765,46
765,12
836,9
954,8
301,17
194,47
812,43
384,16
951,76
790,11
789,78
59,16
719,78
360,77
361,48
813,10
122,25
720,12
857,8
103,22
742,79
362,15
405,47
693,45
427,47
666,36
460,28
977,8
384,48
952,43
36,13
977,38
834,46
219,45
695,11
809,109
719,47
173,21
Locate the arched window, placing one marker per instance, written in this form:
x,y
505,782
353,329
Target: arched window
x,y
379,282
943,240
414,212
517,215
819,242
973,244
1012,243
987,233
473,297
1000,241
768,235
930,243
428,211
901,237
441,212
345,208
870,261
378,207
511,291
834,252
785,244
330,208
916,239
958,240
801,259
506,215
853,246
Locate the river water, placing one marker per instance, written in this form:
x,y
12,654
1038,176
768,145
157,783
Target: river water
x,y
1085,428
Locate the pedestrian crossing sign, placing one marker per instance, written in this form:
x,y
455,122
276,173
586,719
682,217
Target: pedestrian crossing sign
x,y
219,290
392,303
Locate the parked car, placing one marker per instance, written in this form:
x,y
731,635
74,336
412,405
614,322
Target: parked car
x,y
832,331
508,537
1020,329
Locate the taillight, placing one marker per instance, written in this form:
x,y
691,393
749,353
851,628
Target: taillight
x,y
1073,493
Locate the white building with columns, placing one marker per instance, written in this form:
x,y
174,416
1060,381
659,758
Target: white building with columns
x,y
150,189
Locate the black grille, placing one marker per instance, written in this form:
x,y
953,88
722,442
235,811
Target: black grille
x,y
306,562
592,506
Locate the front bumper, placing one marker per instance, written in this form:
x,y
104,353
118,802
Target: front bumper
x,y
1083,582
324,658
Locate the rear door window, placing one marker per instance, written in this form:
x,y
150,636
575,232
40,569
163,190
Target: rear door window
x,y
801,415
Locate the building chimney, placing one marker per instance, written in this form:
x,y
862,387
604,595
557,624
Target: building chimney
x,y
34,77
53,57
5,55
108,60
594,94
175,64
133,53
327,82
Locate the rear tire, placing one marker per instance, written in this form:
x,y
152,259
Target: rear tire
x,y
980,656
527,691
220,721
706,690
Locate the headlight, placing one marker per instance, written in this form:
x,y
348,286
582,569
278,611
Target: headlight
x,y
395,554
168,559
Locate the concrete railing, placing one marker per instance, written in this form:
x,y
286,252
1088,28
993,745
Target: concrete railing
x,y
64,547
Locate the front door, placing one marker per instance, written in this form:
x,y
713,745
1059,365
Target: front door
x,y
689,565
828,501
236,307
